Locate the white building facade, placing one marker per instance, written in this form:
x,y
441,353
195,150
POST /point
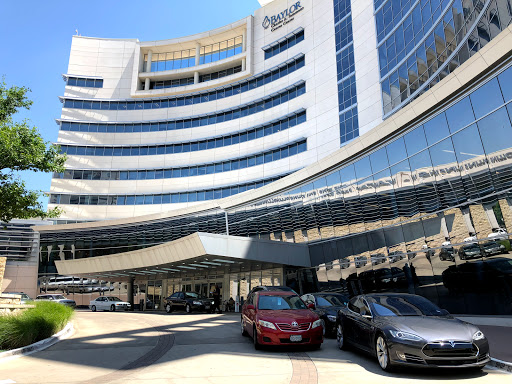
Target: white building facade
x,y
153,126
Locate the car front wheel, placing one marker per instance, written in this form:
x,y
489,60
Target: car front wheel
x,y
188,308
340,337
93,308
242,326
112,308
255,338
168,308
381,348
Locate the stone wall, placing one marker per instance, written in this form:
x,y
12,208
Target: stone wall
x,y
3,262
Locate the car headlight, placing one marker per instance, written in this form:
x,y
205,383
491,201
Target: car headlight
x,y
266,324
317,323
502,247
331,318
478,335
405,336
196,302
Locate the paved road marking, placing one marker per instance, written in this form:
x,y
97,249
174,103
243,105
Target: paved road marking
x,y
304,370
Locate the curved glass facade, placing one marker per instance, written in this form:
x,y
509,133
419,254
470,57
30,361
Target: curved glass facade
x,y
193,98
261,105
425,212
158,198
290,149
210,143
428,45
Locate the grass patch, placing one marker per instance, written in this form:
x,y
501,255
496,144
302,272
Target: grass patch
x,y
34,324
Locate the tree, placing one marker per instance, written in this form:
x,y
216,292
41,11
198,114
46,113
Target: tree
x,y
22,148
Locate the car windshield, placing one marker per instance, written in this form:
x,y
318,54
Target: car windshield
x,y
268,302
500,265
112,298
472,247
331,300
58,297
405,306
193,295
24,296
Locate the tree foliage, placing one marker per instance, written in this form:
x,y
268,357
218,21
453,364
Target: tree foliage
x,y
22,148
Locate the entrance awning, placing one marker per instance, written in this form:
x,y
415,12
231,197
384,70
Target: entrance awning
x,y
199,252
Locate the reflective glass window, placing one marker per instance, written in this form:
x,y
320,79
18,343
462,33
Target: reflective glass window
x,y
486,98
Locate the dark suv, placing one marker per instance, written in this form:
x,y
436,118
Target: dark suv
x,y
188,302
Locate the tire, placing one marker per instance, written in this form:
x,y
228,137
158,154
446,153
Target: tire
x,y
93,308
112,308
168,308
188,308
340,337
257,345
324,331
382,351
242,327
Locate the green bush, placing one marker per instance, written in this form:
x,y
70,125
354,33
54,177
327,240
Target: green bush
x,y
34,324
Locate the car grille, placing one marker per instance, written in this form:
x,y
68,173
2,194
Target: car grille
x,y
288,327
450,349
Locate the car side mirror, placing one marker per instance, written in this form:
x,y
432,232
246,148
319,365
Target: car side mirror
x,y
311,306
249,306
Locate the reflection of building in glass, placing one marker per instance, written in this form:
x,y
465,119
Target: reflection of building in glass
x,y
217,178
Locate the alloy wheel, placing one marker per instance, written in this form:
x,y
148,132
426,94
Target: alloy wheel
x,y
382,353
112,307
340,337
188,309
168,308
93,308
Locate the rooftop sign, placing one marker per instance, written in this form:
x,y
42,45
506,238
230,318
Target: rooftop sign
x,y
282,18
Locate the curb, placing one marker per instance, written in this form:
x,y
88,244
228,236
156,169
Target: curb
x,y
501,365
40,345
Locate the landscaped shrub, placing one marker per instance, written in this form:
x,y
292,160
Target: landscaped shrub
x,y
34,324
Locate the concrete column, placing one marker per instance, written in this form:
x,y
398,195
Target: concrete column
x,y
130,292
467,220
146,84
198,53
244,40
148,63
196,77
243,64
491,216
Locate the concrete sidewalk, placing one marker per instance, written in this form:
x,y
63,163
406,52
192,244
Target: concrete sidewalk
x,y
124,347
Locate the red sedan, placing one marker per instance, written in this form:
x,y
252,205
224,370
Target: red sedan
x,y
280,318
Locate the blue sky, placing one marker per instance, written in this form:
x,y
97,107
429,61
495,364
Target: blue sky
x,y
36,38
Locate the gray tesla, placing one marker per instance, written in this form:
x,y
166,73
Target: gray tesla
x,y
409,330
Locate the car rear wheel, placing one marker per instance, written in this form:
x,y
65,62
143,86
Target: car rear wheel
x,y
112,308
340,337
255,338
242,326
168,308
93,308
381,348
188,308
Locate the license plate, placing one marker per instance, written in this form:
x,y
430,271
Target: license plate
x,y
207,306
296,338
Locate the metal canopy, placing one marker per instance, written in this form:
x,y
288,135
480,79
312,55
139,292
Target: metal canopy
x,y
198,253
